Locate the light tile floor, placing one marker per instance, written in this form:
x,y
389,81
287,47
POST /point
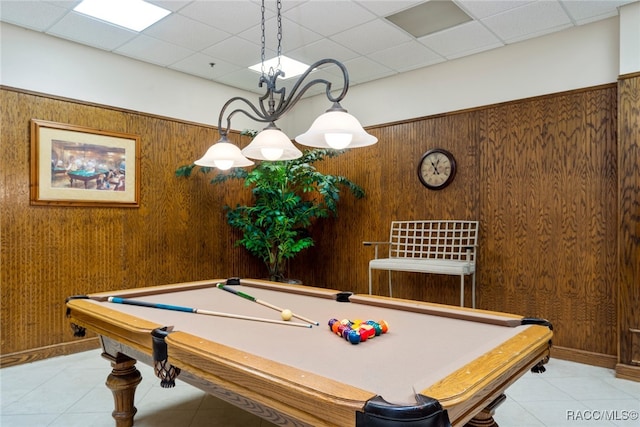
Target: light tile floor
x,y
69,391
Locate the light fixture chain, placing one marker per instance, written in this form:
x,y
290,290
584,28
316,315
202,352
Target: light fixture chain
x,y
263,40
225,155
279,6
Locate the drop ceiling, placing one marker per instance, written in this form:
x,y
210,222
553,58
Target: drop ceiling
x,y
218,40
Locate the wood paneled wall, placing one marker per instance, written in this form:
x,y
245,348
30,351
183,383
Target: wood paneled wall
x,y
549,217
540,174
629,230
48,253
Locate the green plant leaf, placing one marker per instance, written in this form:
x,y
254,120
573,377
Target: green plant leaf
x,y
288,197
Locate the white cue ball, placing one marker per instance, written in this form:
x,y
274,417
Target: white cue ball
x,y
286,314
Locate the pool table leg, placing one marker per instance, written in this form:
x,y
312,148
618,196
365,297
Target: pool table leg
x,y
485,417
122,382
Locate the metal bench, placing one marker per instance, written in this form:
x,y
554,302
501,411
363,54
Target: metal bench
x,y
436,247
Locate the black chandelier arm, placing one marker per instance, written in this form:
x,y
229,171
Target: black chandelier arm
x,y
294,100
271,112
345,76
259,117
270,79
298,91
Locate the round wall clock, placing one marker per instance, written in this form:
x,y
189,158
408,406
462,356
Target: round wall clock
x,y
436,169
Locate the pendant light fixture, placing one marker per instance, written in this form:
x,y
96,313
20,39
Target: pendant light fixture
x,y
334,129
223,155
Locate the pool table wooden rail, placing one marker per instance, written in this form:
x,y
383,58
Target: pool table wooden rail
x,y
466,391
300,397
266,388
102,320
289,396
475,386
276,392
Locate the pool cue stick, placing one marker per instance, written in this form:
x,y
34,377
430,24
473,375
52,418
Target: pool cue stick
x,y
261,302
118,300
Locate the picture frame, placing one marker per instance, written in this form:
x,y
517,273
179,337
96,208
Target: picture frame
x,y
81,166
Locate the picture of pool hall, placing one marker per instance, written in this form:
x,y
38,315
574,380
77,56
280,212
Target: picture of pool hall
x,y
537,104
87,166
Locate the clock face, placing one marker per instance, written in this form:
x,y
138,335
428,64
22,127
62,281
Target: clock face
x,y
436,169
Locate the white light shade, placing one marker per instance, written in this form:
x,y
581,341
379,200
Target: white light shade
x,y
271,144
223,155
331,126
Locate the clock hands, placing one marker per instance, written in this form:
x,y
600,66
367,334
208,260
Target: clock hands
x,y
435,167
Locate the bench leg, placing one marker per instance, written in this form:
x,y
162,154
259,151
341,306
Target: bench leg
x,y
473,289
462,290
390,293
369,280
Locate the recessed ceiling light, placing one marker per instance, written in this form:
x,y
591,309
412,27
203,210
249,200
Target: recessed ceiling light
x,y
135,15
290,67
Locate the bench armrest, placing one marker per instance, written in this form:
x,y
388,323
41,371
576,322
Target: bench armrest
x,y
469,249
376,245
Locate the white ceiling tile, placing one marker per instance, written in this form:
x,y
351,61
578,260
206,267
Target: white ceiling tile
x,y
407,56
186,32
199,64
384,8
480,9
237,51
253,34
287,5
372,36
323,48
583,12
532,18
30,14
467,37
243,79
153,50
172,5
65,4
293,35
362,69
93,32
329,17
231,16
540,33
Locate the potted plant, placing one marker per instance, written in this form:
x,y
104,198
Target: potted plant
x,y
288,196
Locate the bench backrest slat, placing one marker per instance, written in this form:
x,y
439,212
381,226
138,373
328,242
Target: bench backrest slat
x,y
448,240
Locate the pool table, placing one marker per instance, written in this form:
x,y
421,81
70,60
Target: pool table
x,y
85,176
437,365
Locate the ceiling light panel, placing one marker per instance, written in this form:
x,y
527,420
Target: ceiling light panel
x,y
290,67
135,15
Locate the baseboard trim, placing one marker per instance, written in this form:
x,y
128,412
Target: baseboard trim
x,y
628,372
18,358
586,357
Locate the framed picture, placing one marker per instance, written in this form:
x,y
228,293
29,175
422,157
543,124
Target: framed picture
x,y
80,166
